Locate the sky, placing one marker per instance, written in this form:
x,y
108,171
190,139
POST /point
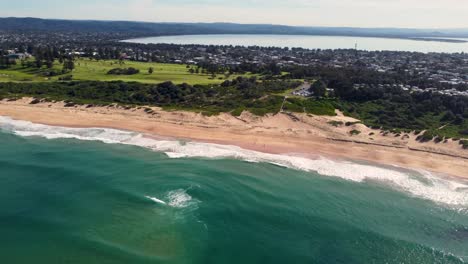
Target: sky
x,y
353,13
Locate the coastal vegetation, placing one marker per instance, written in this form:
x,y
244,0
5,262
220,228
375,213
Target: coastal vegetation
x,y
212,90
236,95
391,110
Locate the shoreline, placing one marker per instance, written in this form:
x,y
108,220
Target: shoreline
x,y
308,136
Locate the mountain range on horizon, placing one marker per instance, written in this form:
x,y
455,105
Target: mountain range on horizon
x,y
16,24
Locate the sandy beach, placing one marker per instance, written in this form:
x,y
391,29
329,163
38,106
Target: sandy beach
x,y
283,133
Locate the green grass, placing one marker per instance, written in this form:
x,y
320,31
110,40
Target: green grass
x,y
91,70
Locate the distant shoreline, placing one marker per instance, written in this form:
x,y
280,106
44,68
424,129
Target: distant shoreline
x,y
312,42
428,39
309,136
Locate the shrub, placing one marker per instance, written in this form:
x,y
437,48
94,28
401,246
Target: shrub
x,y
69,104
318,107
149,110
335,123
354,132
66,78
123,71
464,144
426,136
35,101
464,132
237,112
352,123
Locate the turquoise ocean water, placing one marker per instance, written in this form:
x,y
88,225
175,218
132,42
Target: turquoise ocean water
x,y
66,200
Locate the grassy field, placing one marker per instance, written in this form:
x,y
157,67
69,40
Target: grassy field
x,y
86,69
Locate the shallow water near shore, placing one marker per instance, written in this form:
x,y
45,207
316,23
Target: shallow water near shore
x,y
66,196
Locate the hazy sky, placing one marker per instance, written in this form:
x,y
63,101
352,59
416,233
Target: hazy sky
x,y
359,13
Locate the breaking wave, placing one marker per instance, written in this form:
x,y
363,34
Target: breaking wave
x,y
420,183
177,199
156,200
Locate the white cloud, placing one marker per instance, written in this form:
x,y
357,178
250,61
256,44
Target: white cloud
x,y
360,13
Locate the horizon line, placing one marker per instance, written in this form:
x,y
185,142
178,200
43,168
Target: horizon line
x,y
235,23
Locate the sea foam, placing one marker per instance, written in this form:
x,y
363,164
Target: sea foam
x,y
156,200
177,199
419,183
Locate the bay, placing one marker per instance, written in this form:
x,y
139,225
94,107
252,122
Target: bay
x,y
311,42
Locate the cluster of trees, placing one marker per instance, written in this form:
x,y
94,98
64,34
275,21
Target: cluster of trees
x,y
318,88
380,104
394,108
270,69
252,88
45,55
5,62
343,79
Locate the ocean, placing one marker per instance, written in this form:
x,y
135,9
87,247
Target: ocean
x,y
76,195
311,42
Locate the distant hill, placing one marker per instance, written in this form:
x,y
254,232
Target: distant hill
x,y
157,29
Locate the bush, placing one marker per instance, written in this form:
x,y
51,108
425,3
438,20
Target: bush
x,y
149,110
352,123
464,144
69,104
318,107
237,112
335,123
35,101
49,73
66,78
426,136
354,132
123,71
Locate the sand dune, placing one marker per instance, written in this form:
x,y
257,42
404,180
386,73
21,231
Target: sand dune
x,y
283,133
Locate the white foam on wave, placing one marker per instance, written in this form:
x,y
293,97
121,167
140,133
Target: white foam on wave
x,y
156,200
179,198
421,183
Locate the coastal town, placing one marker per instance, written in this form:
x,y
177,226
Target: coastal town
x,y
444,73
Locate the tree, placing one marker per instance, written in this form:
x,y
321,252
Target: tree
x,y
318,88
68,65
38,63
49,64
150,70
